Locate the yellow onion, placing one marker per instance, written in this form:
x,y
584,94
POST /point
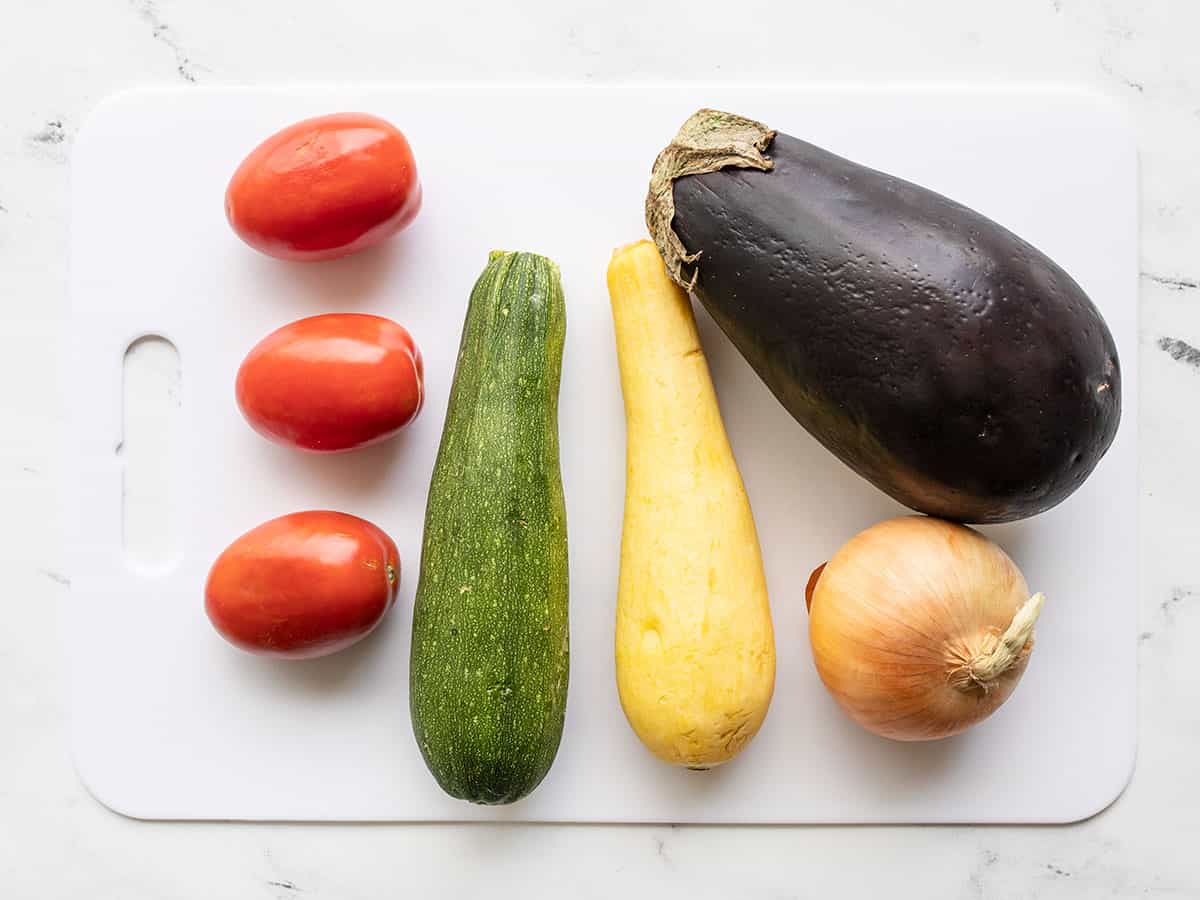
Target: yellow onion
x,y
920,628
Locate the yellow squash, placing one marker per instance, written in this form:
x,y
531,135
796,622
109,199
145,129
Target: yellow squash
x,y
695,649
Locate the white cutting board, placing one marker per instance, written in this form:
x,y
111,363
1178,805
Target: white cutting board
x,y
171,722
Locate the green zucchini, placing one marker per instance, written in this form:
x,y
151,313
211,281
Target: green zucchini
x,y
489,664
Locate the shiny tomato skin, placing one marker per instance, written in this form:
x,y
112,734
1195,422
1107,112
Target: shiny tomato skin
x,y
324,188
303,585
332,382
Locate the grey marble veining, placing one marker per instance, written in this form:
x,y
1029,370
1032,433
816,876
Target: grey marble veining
x,y
59,58
1180,351
149,12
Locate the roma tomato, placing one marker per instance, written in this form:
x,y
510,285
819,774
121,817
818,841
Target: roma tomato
x,y
332,382
303,585
324,187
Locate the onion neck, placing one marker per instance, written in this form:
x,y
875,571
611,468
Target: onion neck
x,y
983,669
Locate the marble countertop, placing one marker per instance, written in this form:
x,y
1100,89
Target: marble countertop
x,y
59,58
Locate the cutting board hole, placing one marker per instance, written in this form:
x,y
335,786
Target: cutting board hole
x,y
149,451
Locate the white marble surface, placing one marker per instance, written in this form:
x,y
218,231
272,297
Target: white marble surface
x,y
58,58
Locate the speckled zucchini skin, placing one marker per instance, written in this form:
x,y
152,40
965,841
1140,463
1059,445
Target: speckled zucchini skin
x,y
489,665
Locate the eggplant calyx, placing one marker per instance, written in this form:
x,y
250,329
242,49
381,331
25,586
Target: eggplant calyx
x,y
709,140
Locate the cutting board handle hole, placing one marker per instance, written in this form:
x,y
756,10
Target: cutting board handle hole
x,y
149,450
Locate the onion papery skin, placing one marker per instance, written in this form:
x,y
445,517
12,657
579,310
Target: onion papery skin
x,y
897,616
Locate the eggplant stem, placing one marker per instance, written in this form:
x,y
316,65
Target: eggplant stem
x,y
708,141
982,671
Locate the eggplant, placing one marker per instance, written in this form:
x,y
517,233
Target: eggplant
x,y
944,359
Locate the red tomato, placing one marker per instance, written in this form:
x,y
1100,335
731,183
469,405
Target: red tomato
x,y
324,187
303,585
332,382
